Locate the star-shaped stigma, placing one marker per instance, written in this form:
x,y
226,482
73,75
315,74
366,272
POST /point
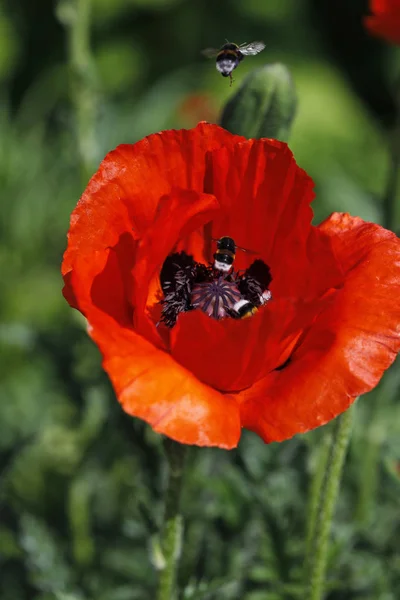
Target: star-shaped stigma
x,y
217,298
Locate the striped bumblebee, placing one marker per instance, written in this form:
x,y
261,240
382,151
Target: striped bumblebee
x,y
224,255
230,55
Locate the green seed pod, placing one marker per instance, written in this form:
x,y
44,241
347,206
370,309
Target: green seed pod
x,y
264,105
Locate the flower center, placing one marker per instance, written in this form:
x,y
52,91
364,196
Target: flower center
x,y
218,291
218,298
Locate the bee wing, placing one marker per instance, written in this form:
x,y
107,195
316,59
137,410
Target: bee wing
x,y
251,49
246,250
239,247
210,52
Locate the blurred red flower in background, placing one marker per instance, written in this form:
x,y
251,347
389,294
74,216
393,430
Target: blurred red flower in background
x,y
328,334
385,20
197,107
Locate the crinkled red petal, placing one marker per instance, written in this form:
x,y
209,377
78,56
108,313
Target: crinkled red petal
x,y
119,205
150,385
231,355
349,346
179,217
265,199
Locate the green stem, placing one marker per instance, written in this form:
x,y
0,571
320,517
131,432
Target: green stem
x,y
314,494
389,196
369,464
171,537
368,472
76,17
329,491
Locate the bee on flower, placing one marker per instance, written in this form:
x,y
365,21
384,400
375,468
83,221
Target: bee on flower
x,y
155,238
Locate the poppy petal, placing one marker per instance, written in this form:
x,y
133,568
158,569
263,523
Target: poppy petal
x,y
190,211
123,194
121,199
103,281
230,355
150,385
349,346
265,199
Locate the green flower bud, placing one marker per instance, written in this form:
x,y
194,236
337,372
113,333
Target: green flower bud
x,y
264,105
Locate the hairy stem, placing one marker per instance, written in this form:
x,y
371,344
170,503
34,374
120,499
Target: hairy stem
x,y
171,536
315,493
368,474
327,501
389,196
75,15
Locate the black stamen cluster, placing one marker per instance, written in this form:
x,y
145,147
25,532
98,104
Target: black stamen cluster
x,y
254,281
180,273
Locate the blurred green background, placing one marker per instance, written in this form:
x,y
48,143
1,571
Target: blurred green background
x,y
81,483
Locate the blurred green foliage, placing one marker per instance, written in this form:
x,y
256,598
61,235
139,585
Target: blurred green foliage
x,y
81,483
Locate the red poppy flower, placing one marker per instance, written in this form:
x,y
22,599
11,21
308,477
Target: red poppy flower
x,y
140,245
385,20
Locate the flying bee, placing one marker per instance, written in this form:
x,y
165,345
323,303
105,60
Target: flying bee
x,y
230,55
